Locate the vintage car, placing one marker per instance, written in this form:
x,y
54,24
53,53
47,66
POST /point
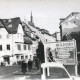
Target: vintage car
x,y
54,71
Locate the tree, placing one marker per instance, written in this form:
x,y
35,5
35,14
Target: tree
x,y
40,52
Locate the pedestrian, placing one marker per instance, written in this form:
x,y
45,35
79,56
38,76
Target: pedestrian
x,y
26,61
1,64
23,67
50,56
29,65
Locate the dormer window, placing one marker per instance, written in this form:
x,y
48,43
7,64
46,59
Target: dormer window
x,y
5,21
9,20
10,25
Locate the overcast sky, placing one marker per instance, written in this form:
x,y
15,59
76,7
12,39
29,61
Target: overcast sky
x,y
46,13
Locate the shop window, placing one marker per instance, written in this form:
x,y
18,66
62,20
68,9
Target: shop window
x,y
19,47
8,47
22,57
17,56
0,47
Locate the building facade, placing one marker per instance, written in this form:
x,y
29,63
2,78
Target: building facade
x,y
13,47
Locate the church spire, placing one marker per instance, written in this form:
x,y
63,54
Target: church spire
x,y
31,17
31,20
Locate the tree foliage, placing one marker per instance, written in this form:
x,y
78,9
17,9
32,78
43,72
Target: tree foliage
x,y
40,51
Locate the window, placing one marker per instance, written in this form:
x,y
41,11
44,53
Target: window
x,y
46,40
8,36
29,47
17,56
0,37
22,57
9,20
19,47
24,47
10,25
0,47
56,73
30,56
26,57
8,47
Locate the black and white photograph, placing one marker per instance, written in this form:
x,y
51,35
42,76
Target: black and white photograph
x,y
39,39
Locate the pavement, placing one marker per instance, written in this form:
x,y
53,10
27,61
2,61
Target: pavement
x,y
33,75
14,73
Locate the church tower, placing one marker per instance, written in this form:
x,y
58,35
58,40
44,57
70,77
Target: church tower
x,y
31,17
31,20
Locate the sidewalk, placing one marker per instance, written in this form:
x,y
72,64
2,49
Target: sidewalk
x,y
33,75
33,71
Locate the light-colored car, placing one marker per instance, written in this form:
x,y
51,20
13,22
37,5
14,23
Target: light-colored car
x,y
54,71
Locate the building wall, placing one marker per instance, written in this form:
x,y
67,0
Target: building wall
x,y
24,52
5,39
13,40
48,38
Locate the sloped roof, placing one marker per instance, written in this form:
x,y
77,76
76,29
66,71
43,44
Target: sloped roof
x,y
26,35
1,25
26,27
65,19
67,37
27,40
11,25
43,31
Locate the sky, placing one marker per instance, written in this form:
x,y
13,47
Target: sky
x,y
46,13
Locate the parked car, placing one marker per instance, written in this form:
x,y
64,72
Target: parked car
x,y
54,71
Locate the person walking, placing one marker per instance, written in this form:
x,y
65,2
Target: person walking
x,y
23,67
26,61
29,65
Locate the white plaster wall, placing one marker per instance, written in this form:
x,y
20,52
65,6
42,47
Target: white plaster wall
x,y
4,41
22,51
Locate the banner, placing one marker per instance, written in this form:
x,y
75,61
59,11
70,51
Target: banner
x,y
63,51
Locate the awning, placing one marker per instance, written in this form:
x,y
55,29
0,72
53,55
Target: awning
x,y
18,54
6,56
